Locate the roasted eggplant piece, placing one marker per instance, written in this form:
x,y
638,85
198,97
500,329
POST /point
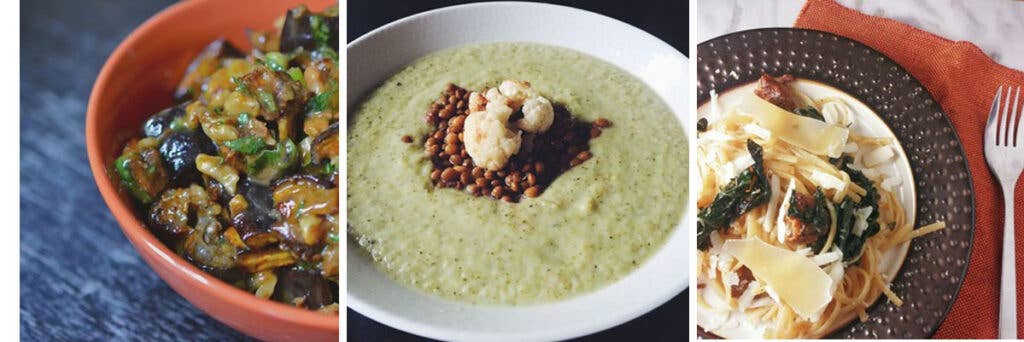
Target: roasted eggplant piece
x,y
141,170
333,39
178,210
304,201
260,212
163,122
179,151
272,164
278,94
204,65
308,31
304,288
326,145
264,260
297,30
207,246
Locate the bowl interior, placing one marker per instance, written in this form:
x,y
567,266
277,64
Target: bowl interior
x,y
379,54
138,80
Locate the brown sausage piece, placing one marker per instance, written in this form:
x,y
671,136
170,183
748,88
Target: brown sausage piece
x,y
746,276
775,91
802,233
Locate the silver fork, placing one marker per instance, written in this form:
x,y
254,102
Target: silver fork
x,y
1004,152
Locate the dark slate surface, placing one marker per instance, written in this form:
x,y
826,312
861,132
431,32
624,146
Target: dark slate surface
x,y
666,20
80,277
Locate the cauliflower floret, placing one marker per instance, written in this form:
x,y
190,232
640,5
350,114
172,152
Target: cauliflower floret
x,y
499,110
477,102
538,114
488,140
517,92
494,95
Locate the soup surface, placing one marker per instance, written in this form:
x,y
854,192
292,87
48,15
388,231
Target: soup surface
x,y
593,225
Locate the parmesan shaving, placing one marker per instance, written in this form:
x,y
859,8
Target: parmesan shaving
x,y
891,183
748,296
800,284
773,202
878,156
757,131
817,137
860,220
836,112
827,181
851,147
780,223
827,258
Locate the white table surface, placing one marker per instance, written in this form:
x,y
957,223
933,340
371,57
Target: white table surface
x,y
996,26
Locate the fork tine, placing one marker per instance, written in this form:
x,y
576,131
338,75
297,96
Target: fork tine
x,y
1010,131
1007,121
993,118
1018,136
1003,115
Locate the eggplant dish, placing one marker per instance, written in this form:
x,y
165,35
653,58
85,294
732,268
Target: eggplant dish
x,y
240,176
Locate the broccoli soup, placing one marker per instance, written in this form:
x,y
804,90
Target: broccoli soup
x,y
513,174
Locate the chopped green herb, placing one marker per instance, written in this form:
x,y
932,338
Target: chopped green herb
x,y
304,265
266,100
327,52
329,168
123,167
246,145
296,74
320,101
321,30
239,85
270,164
276,61
243,119
178,125
332,236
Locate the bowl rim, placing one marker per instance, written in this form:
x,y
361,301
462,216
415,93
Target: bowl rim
x,y
135,230
413,326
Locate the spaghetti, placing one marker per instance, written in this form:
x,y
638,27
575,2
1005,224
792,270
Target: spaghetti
x,y
841,212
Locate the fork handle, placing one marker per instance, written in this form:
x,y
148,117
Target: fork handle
x,y
1008,279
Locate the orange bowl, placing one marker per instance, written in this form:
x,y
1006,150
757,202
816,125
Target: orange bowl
x,y
138,80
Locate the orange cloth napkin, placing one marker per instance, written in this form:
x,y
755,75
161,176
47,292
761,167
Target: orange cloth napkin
x,y
964,80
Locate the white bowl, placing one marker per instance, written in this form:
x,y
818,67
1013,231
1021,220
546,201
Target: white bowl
x,y
379,54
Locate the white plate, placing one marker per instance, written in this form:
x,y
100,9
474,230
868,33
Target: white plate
x,y
867,123
382,52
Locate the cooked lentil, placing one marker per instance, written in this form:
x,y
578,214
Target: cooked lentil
x,y
564,145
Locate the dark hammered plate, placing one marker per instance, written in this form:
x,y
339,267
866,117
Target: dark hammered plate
x,y
936,263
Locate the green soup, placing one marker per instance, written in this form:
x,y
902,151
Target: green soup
x,y
596,223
